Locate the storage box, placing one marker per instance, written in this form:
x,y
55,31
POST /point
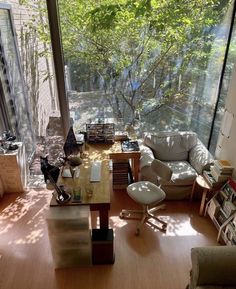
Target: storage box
x,y
70,235
102,246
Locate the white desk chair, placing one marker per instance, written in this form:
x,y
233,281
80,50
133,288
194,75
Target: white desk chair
x,y
149,196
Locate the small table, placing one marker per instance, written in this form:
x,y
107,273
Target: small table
x,y
201,182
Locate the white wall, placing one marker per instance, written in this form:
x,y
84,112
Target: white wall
x,y
226,146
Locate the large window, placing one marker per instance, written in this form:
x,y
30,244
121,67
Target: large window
x,y
153,65
230,60
15,114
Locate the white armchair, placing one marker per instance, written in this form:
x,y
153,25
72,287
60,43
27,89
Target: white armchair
x,y
183,152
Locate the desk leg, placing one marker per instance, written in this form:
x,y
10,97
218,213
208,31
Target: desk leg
x,y
136,168
203,201
104,219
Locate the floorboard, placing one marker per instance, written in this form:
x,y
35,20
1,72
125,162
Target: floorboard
x,y
152,260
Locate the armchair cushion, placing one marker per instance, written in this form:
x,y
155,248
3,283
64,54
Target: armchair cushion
x,y
183,174
171,146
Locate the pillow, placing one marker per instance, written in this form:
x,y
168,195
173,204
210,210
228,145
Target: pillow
x,y
171,146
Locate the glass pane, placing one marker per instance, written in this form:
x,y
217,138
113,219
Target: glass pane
x,y
231,59
13,84
153,66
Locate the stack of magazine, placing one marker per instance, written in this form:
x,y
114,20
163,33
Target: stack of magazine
x,y
221,170
219,173
209,179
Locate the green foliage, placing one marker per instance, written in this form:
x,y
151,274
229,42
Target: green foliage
x,y
131,43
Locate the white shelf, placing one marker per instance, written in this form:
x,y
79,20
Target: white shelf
x,y
13,171
222,212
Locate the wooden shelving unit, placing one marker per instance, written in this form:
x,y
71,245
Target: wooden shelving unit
x,y
120,174
222,210
100,133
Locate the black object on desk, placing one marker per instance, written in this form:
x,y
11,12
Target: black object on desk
x,y
129,146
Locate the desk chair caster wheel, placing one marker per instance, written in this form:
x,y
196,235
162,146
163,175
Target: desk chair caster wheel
x,y
122,215
164,227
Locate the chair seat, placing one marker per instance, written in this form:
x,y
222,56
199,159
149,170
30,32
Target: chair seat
x,y
145,193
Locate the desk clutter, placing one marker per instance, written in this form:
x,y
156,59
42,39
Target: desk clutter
x,y
129,146
67,168
7,142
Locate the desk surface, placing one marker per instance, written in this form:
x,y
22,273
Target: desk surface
x,y
100,190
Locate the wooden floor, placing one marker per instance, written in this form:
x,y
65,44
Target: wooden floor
x,y
153,260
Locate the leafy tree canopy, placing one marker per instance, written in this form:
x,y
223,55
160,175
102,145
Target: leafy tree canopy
x,y
141,48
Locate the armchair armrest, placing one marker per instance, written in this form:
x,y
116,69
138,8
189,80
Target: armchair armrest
x,y
213,265
200,158
146,171
147,156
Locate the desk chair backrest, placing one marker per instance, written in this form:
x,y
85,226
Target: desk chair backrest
x,y
161,169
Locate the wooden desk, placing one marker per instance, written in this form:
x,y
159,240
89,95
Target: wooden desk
x,y
100,199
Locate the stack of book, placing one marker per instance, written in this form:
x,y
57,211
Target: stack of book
x,y
221,170
120,174
209,179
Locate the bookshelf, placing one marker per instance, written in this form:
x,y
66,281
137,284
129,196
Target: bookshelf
x,y
120,174
221,208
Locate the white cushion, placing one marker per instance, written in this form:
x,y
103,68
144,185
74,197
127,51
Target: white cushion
x,y
145,193
183,174
171,146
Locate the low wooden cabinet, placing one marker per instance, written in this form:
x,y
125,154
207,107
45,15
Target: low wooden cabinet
x,y
13,173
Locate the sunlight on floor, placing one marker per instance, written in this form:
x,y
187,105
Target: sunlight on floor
x,y
176,227
31,238
179,227
116,222
28,203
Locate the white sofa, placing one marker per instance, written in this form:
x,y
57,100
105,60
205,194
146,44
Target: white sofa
x,y
213,267
183,152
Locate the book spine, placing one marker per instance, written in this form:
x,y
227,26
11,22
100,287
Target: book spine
x,y
221,166
218,178
209,179
222,171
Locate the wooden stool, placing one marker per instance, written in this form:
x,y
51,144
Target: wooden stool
x,y
206,189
